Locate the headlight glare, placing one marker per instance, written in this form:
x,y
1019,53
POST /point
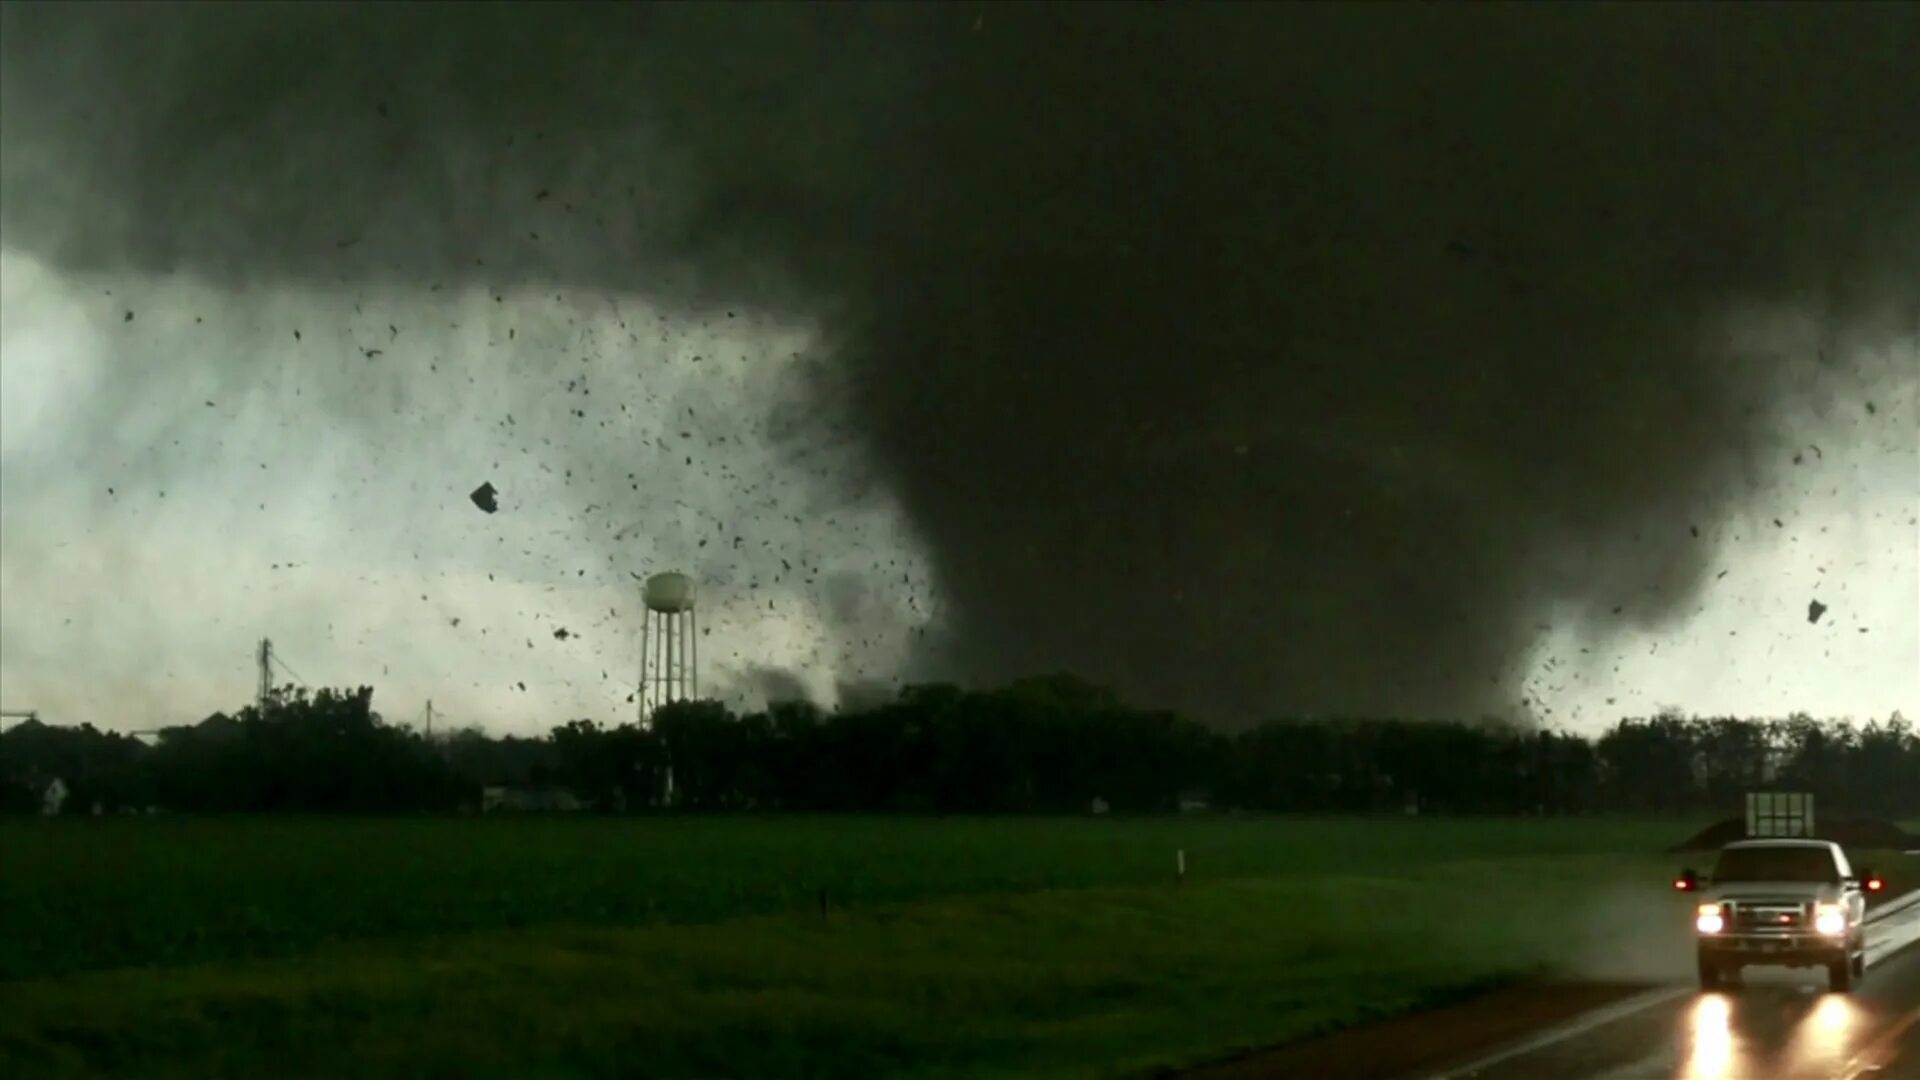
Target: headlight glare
x,y
1830,919
1709,919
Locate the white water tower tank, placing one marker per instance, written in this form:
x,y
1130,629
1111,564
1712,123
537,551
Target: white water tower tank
x,y
669,593
669,644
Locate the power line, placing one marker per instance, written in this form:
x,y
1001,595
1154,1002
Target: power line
x,y
289,670
267,660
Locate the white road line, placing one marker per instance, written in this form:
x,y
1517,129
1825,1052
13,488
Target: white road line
x,y
1875,1055
1891,935
1578,1026
1896,905
1907,932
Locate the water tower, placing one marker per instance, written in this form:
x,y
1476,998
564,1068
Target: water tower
x,y
669,644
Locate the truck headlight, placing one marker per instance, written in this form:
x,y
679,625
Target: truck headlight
x,y
1830,919
1709,920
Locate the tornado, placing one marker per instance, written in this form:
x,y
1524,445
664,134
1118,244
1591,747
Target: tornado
x,y
1300,359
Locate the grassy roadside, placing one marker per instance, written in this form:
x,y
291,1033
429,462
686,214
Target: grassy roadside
x,y
965,948
1092,982
108,893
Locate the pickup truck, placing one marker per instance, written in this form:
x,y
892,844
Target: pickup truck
x,y
1780,902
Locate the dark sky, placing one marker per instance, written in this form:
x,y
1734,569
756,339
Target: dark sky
x,y
1296,357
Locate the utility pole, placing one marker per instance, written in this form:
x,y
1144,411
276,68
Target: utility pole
x,y
266,676
444,746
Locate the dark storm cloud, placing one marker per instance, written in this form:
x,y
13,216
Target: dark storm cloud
x,y
1297,357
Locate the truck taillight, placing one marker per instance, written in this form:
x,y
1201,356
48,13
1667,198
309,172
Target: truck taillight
x,y
1875,884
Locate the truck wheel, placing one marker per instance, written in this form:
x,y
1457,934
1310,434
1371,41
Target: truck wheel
x,y
1711,974
1840,974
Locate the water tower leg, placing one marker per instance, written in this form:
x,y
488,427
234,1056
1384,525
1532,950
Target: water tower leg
x,y
686,646
676,657
665,682
663,633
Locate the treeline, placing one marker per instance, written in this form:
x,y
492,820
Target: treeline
x,y
1050,745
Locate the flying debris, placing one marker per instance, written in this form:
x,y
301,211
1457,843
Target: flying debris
x,y
1815,609
1302,265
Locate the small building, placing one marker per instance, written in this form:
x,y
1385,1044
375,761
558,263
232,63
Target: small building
x,y
529,800
53,798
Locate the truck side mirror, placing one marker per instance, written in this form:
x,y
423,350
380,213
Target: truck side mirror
x,y
1688,881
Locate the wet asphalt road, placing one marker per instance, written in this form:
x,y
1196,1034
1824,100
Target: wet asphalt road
x,y
1780,1025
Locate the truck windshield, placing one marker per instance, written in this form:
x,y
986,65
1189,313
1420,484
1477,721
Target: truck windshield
x,y
1775,864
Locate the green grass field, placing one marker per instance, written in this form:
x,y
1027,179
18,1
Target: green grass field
x,y
582,947
116,892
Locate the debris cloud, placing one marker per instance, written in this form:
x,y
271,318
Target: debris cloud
x,y
1249,359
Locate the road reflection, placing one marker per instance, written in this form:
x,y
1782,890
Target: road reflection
x,y
1710,1039
1823,1041
1763,1032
